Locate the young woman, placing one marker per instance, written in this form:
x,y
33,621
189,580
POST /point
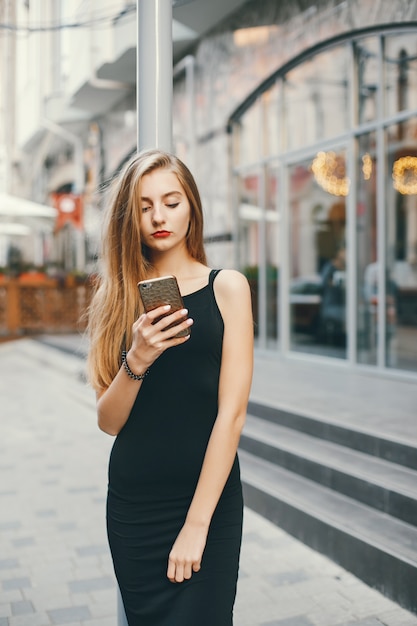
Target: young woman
x,y
176,405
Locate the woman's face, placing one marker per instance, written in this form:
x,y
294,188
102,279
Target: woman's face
x,y
165,211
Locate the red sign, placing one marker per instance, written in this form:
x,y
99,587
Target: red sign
x,y
70,210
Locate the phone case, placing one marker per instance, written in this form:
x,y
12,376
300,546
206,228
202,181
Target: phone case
x,y
156,292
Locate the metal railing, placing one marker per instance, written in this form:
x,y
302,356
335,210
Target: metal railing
x,y
42,305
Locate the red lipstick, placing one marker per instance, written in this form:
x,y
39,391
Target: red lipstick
x,y
161,234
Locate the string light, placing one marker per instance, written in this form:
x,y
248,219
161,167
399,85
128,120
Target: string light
x,y
330,173
404,174
367,166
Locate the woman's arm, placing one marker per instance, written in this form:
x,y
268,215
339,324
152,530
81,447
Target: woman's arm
x,y
115,403
234,301
149,341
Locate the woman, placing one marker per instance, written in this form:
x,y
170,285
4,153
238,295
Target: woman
x,y
176,405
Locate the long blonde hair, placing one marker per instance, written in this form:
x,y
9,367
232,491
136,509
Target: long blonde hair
x,y
115,305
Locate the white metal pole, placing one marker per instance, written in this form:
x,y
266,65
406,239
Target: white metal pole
x,y
153,98
154,74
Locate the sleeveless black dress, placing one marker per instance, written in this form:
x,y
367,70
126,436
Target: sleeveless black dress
x,y
154,467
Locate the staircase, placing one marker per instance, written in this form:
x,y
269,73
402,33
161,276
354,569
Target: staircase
x,y
348,494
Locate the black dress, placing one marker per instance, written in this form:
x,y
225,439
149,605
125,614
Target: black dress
x,y
153,472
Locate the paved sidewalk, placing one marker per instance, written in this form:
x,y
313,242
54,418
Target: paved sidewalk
x,y
367,400
55,566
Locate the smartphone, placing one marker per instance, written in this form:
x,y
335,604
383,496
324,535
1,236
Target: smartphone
x,y
156,292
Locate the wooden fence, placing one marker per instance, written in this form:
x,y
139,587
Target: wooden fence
x,y
42,306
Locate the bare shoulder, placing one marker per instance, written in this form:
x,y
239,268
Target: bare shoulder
x,y
232,289
233,298
229,283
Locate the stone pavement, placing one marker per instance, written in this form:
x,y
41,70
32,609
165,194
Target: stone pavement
x,y
364,399
55,566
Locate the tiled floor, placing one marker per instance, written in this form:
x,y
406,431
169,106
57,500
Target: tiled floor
x,y
55,566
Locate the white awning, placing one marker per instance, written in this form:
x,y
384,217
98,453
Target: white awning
x,y
12,206
11,228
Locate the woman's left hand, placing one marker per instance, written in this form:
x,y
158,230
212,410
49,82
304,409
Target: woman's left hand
x,y
187,552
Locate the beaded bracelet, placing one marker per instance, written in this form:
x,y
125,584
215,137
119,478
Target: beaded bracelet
x,y
129,371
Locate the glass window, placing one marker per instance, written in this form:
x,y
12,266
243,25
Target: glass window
x,y
250,136
367,67
366,250
250,213
317,191
271,139
316,99
400,66
308,109
401,238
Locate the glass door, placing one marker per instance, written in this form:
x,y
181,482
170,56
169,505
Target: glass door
x,y
317,190
249,244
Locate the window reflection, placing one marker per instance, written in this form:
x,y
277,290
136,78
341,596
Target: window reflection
x,y
318,264
270,129
250,140
316,98
296,120
401,269
249,224
400,66
366,55
329,170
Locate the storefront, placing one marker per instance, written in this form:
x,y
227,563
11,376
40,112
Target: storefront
x,y
324,170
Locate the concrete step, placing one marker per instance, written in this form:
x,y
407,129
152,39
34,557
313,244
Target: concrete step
x,y
364,440
379,549
378,483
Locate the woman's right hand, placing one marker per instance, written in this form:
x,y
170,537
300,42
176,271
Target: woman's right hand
x,y
149,341
151,338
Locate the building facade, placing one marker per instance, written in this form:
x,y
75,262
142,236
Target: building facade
x,y
322,178
299,120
